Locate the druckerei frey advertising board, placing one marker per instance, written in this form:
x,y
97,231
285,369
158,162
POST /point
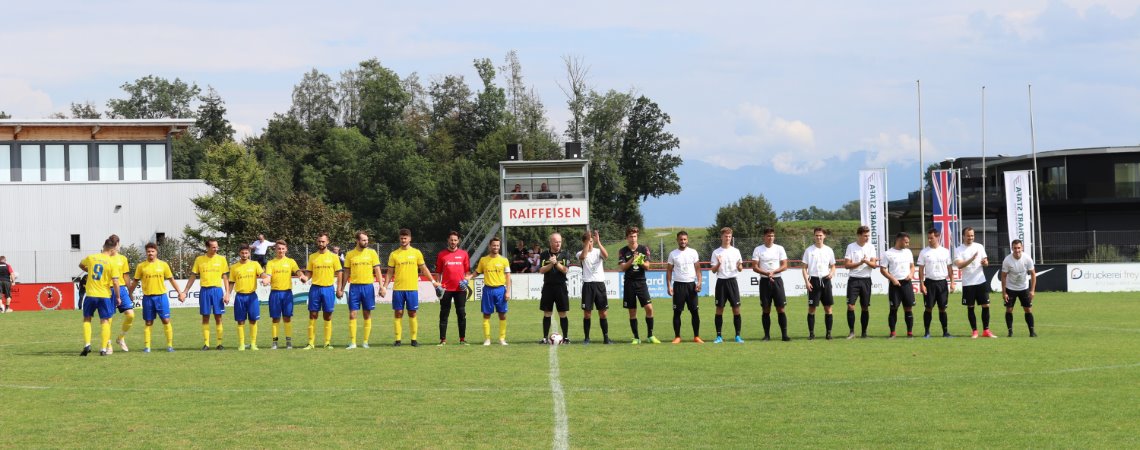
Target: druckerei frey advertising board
x,y
1103,277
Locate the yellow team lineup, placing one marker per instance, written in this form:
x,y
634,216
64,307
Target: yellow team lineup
x,y
362,279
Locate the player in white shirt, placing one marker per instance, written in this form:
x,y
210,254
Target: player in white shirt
x,y
592,256
1018,283
726,263
970,258
770,260
683,279
819,269
860,259
934,268
898,268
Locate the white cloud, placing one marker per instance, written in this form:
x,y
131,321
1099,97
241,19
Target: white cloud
x,y
898,149
757,137
20,100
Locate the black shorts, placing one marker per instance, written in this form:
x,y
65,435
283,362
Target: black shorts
x,y
937,294
820,292
859,288
727,291
903,295
6,289
554,295
1015,296
594,296
772,291
685,296
635,292
978,293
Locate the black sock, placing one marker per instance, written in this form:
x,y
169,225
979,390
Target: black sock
x,y
605,328
851,320
864,320
586,328
827,321
811,324
736,323
1029,321
648,327
545,326
973,319
564,323
461,320
908,316
927,316
719,321
696,323
1009,321
893,318
782,319
985,318
766,319
633,326
677,323
942,318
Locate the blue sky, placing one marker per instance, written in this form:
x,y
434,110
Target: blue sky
x,y
788,100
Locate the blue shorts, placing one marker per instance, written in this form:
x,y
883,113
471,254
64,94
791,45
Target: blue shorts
x,y
494,299
155,305
247,307
211,301
127,304
322,298
280,304
361,295
105,306
409,300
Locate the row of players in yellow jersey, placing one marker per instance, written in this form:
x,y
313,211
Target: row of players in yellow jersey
x,y
108,283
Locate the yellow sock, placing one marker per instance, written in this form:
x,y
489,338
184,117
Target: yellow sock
x,y
415,327
398,325
486,328
105,336
206,334
328,332
288,330
146,336
502,329
241,336
367,329
276,326
87,333
169,330
219,334
128,320
312,331
253,334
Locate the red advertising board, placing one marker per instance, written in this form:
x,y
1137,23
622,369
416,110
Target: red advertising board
x,y
43,296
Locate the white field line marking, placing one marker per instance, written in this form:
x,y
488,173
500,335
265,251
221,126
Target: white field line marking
x,y
561,424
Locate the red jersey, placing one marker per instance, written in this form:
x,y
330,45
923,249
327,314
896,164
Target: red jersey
x,y
452,265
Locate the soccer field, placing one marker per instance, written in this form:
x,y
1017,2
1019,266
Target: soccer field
x,y
1076,385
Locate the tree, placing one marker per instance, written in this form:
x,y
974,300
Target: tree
x,y
4,115
85,110
490,104
849,211
576,91
186,156
231,212
212,125
647,159
747,217
154,97
300,217
382,99
314,100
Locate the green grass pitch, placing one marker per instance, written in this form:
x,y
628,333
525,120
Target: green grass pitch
x,y
1077,385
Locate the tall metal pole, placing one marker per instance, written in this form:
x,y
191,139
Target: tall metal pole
x,y
1036,188
921,168
984,179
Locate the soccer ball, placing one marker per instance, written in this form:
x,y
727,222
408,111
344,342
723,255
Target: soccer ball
x,y
555,338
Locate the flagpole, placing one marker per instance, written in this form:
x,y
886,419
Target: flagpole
x,y
984,179
1036,188
921,168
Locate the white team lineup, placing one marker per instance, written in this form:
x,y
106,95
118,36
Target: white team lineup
x,y
361,280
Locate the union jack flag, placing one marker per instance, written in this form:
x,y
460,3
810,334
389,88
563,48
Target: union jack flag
x,y
946,199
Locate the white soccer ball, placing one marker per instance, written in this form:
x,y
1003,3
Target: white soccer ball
x,y
555,339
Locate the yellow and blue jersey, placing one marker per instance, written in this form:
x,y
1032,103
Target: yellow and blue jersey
x,y
361,264
124,266
244,276
151,275
210,270
101,269
407,268
494,270
281,272
324,267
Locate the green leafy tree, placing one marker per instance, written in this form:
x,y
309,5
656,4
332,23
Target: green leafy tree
x,y
211,125
748,216
4,115
85,110
186,156
300,217
154,97
382,99
648,157
231,212
314,100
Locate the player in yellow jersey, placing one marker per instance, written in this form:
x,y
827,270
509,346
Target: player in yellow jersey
x,y
212,298
405,266
155,301
279,273
122,297
496,271
363,265
102,279
325,270
243,283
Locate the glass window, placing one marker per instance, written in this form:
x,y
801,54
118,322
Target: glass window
x,y
1054,181
77,158
155,162
108,162
132,162
54,163
5,163
1128,180
30,163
